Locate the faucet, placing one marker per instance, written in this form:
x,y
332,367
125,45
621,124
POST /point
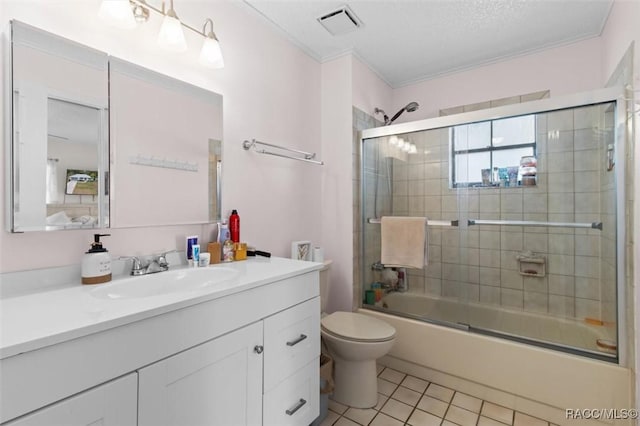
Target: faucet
x,y
388,288
143,267
377,266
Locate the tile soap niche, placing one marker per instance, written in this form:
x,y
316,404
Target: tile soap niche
x,y
532,265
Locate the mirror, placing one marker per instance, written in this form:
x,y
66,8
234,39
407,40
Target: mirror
x,y
165,149
59,108
163,163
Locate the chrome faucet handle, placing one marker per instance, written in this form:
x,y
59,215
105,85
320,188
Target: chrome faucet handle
x,y
137,268
161,260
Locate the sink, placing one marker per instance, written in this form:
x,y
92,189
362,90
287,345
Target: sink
x,y
162,283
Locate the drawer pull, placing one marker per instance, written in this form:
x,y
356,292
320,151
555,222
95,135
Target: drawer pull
x,y
258,349
299,404
298,340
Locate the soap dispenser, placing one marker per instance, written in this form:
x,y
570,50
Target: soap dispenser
x,y
96,263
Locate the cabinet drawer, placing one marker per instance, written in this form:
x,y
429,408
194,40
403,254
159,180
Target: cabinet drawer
x,y
110,404
295,401
291,340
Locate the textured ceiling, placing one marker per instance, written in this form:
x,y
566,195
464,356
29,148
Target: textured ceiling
x,y
406,41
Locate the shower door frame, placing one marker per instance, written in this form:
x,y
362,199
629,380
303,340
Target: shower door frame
x,y
613,94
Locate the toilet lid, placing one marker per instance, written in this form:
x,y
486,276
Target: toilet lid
x,y
354,326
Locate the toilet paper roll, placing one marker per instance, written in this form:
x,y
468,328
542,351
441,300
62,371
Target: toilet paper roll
x,y
318,254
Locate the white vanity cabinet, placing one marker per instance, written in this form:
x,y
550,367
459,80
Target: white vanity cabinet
x,y
216,383
220,382
110,404
291,363
249,356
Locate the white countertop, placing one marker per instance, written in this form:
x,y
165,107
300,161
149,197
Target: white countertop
x,y
33,321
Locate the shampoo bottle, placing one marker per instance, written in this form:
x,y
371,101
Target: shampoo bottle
x,y
96,263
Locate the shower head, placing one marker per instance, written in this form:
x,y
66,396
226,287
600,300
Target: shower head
x,y
410,107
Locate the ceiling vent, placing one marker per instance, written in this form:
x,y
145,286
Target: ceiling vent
x,y
341,21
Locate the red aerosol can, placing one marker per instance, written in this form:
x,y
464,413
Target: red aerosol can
x,y
234,226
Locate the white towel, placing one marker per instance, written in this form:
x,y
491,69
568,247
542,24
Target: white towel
x,y
404,242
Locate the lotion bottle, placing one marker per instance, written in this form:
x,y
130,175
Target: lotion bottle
x,y
96,263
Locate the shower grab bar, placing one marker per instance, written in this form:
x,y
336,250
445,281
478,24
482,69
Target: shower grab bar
x,y
307,156
429,222
592,225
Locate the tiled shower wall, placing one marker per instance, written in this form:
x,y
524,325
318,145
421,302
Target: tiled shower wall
x,y
478,263
375,174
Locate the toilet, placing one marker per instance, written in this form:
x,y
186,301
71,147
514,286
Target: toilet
x,y
355,341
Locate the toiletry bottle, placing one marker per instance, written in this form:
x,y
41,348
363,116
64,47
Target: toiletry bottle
x,y
195,254
96,263
215,250
234,226
223,235
240,251
191,241
227,251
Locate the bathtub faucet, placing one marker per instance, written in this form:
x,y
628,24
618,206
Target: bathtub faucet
x,y
377,266
388,288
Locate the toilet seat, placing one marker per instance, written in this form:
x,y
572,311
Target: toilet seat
x,y
357,327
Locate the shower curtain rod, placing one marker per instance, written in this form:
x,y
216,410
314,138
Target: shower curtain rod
x,y
306,156
593,225
429,222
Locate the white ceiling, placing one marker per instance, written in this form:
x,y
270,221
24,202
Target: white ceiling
x,y
406,41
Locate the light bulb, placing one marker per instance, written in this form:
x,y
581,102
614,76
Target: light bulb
x,y
400,143
414,149
117,13
393,140
211,54
171,36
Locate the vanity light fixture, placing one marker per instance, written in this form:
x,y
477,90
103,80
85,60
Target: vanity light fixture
x,y
210,54
126,13
117,13
171,36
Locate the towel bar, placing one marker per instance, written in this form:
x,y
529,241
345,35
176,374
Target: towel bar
x,y
429,222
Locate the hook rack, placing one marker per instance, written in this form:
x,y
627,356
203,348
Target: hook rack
x,y
308,157
144,160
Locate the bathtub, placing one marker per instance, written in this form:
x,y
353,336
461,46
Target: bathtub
x,y
531,379
566,333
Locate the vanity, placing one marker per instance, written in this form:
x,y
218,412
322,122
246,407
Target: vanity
x,y
230,344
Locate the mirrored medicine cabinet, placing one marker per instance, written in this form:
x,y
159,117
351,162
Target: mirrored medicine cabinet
x,y
98,142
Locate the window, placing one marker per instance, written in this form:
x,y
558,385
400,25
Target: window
x,y
489,145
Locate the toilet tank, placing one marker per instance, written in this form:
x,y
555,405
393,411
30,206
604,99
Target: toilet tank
x,y
324,285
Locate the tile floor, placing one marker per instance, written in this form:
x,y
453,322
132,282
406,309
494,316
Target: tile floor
x,y
408,400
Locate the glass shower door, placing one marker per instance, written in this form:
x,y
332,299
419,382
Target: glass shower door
x,y
534,256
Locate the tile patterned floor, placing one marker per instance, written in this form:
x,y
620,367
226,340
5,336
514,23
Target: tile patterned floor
x,y
407,400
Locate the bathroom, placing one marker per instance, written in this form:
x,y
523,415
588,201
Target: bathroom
x,y
282,201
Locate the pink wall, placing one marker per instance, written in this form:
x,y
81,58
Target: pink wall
x,y
568,69
369,90
336,189
346,82
271,92
622,28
